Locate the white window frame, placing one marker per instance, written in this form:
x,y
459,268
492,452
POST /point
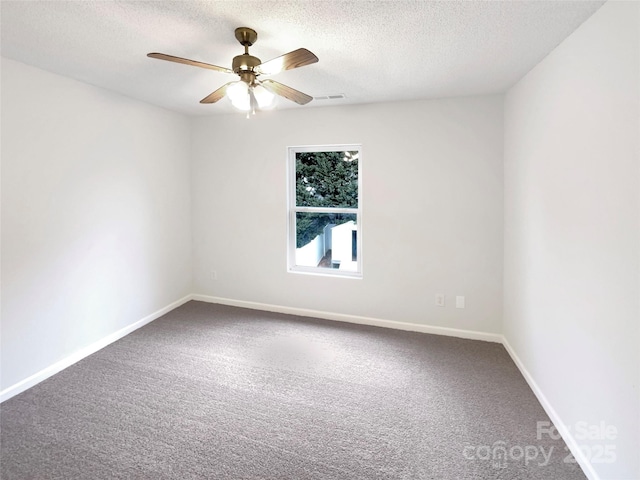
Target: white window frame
x,y
292,209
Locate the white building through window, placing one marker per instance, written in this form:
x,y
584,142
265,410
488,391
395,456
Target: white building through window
x,y
324,222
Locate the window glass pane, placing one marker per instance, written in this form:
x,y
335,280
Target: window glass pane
x,y
327,240
327,179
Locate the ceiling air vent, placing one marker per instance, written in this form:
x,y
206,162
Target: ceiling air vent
x,y
336,96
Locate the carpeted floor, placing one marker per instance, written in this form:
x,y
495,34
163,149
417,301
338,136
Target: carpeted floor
x,y
217,392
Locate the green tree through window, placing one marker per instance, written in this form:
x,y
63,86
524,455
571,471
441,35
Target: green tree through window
x,y
324,179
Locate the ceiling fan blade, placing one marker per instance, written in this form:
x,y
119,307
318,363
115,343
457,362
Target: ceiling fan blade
x,y
287,92
295,59
217,95
186,61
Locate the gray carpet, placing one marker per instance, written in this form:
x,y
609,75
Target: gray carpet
x,y
216,392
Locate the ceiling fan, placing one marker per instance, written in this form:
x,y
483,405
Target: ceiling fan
x,y
249,93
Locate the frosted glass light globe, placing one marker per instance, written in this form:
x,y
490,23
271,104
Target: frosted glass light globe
x,y
238,93
263,96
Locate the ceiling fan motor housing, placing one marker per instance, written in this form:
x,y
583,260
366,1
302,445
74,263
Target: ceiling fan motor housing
x,y
245,63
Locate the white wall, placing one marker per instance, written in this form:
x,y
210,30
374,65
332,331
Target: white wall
x,y
432,219
95,215
311,253
572,229
342,241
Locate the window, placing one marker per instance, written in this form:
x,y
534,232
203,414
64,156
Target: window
x,y
325,227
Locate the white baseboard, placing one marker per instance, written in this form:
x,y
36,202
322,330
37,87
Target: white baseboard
x,y
94,347
341,317
47,372
568,438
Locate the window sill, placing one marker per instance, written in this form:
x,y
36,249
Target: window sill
x,y
325,272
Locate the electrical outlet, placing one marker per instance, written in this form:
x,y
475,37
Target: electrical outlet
x,y
440,299
459,301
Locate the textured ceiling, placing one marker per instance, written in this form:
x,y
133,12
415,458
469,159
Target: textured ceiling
x,y
371,51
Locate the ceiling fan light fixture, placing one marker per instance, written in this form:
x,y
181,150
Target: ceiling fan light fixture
x,y
238,93
264,97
